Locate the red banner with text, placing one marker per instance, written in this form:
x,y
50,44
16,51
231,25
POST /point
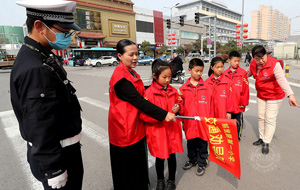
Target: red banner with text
x,y
223,143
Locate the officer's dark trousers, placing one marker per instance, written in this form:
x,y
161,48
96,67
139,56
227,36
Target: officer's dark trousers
x,y
197,151
239,122
72,159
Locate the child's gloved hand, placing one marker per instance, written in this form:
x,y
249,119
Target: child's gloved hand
x,y
175,108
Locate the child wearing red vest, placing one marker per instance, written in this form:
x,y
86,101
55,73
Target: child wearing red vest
x,y
195,98
240,89
163,139
221,86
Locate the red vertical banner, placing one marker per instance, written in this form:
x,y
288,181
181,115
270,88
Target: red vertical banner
x,y
223,143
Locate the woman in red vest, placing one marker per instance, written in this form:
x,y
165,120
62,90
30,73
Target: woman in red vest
x,y
126,130
271,86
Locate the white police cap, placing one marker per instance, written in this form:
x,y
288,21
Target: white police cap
x,y
57,11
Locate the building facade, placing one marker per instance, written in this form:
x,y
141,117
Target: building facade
x,y
183,35
149,26
226,19
104,23
269,24
11,38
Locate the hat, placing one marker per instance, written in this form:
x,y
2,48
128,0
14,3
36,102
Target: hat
x,y
58,11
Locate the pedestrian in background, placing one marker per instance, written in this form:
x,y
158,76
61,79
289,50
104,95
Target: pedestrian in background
x,y
195,99
128,154
164,139
43,99
248,59
221,86
176,64
240,89
271,86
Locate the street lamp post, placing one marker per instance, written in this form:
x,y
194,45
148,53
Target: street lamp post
x,y
171,24
242,25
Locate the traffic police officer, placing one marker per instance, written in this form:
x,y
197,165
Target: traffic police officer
x,y
43,99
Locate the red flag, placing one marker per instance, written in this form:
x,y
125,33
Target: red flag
x,y
223,143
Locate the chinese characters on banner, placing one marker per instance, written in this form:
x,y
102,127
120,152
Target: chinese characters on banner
x,y
223,143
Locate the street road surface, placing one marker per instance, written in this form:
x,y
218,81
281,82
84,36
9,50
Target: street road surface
x,y
277,170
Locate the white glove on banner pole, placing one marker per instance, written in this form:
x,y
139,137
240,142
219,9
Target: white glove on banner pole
x,y
58,181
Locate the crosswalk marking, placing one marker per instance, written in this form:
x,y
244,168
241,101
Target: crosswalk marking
x,y
10,123
90,129
94,102
291,83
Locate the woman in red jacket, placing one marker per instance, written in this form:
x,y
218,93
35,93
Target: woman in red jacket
x,y
163,139
271,86
221,103
126,130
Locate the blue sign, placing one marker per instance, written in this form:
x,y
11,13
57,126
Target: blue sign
x,y
209,41
153,47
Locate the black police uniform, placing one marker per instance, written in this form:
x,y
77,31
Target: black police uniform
x,y
48,111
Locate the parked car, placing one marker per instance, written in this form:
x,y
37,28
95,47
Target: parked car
x,y
205,59
166,58
144,60
192,56
104,60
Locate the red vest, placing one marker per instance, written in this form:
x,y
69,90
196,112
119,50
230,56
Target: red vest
x,y
124,125
240,88
163,138
222,100
266,84
195,101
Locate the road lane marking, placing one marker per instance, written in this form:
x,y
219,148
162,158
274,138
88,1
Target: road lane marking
x,y
291,83
11,128
294,84
94,102
101,136
253,94
253,101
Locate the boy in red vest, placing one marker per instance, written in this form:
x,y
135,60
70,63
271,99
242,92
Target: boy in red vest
x,y
240,89
195,100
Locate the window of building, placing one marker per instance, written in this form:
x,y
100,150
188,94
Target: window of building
x,y
142,26
189,35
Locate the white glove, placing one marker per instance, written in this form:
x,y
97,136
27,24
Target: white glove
x,y
58,181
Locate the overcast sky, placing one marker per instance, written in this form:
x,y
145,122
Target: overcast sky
x,y
12,14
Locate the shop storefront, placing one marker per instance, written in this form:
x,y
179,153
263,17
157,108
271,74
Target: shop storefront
x,y
104,23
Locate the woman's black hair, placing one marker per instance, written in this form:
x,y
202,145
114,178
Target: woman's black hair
x,y
159,66
195,62
121,46
214,61
258,51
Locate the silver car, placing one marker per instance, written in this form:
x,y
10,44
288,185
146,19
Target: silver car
x,y
104,60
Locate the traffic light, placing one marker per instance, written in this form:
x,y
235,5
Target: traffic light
x,y
181,21
197,17
168,23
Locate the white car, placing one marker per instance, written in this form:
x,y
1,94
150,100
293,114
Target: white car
x,y
104,60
